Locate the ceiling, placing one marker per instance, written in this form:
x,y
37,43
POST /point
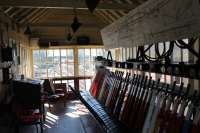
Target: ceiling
x,y
51,20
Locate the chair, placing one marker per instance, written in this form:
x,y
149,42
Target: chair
x,y
54,94
28,108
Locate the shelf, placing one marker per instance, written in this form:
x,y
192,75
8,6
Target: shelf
x,y
179,70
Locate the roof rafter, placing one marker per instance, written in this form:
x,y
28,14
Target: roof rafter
x,y
37,15
24,14
34,12
42,15
117,16
16,12
8,9
108,16
65,4
110,13
103,18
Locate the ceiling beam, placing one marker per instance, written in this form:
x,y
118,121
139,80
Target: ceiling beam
x,y
23,15
8,9
42,15
108,16
116,15
64,4
37,15
103,18
53,25
119,1
16,12
34,12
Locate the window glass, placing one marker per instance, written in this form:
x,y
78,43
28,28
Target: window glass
x,y
94,53
127,53
134,52
70,69
60,62
185,55
63,55
100,52
56,62
50,65
36,63
53,63
70,54
86,60
81,61
82,85
176,54
64,68
43,65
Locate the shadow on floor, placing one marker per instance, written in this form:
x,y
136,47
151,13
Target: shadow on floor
x,y
74,118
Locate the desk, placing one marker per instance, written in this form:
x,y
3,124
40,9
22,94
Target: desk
x,y
75,78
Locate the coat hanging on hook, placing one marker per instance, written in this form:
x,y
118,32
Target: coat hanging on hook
x,y
92,4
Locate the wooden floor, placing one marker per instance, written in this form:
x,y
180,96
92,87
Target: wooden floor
x,y
74,118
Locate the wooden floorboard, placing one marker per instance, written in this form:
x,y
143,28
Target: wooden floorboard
x,y
74,118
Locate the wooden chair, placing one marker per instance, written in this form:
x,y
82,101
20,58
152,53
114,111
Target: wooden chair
x,y
54,93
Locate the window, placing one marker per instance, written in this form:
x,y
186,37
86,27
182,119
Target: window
x,y
48,63
36,63
53,63
67,62
86,63
86,58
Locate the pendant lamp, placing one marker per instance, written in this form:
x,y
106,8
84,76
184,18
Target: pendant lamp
x,y
92,4
76,24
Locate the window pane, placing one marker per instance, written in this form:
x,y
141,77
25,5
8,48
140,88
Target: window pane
x,y
64,70
88,83
81,54
100,52
43,66
36,63
70,55
82,85
127,53
70,82
70,71
56,56
87,54
63,56
93,54
176,54
124,54
57,70
50,56
50,65
81,70
57,63
185,55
